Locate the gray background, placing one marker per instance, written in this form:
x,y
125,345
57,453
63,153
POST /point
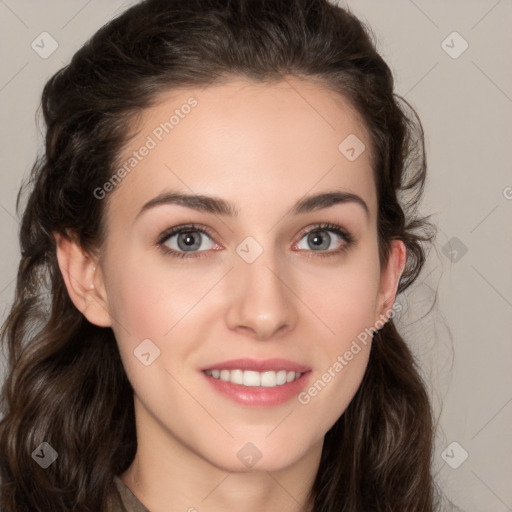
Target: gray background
x,y
465,102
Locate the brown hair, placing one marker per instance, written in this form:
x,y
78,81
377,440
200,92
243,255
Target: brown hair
x,y
66,384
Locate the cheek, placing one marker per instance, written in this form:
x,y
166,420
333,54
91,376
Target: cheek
x,y
149,300
342,355
344,296
172,304
152,303
346,301
350,303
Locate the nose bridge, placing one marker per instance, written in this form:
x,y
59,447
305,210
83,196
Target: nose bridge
x,y
262,301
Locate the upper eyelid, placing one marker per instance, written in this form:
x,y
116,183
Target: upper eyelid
x,y
176,230
321,226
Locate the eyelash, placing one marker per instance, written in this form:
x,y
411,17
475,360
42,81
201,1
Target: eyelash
x,y
338,230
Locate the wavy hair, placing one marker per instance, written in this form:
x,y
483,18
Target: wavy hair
x,y
65,382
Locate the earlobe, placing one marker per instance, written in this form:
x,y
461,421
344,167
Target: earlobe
x,y
83,281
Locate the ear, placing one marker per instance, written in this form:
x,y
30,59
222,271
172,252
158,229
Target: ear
x,y
83,280
390,277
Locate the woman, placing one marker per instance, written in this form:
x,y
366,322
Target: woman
x,y
211,252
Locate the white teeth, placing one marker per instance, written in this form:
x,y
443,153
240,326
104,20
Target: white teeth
x,y
251,378
237,376
269,379
281,377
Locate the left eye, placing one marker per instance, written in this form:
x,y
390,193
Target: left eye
x,y
320,240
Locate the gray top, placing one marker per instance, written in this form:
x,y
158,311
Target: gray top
x,y
123,500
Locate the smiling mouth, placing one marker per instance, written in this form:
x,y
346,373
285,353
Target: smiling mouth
x,y
249,378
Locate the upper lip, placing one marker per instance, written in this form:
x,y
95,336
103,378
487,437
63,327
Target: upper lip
x,y
258,365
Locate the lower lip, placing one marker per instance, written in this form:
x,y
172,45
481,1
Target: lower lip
x,y
259,396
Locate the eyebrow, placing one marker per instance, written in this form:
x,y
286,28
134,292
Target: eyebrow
x,y
218,206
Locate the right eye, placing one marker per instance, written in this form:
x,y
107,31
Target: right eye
x,y
181,240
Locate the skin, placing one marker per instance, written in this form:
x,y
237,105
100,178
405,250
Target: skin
x,y
262,147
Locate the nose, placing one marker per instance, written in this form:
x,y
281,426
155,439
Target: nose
x,y
262,304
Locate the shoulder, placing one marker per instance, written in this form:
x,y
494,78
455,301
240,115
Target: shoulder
x,y
123,500
114,502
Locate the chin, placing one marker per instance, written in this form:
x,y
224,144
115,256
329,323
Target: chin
x,y
249,457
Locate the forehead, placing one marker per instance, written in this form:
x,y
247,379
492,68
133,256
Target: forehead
x,y
261,146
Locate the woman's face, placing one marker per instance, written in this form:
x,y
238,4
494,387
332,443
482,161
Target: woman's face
x,y
269,284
